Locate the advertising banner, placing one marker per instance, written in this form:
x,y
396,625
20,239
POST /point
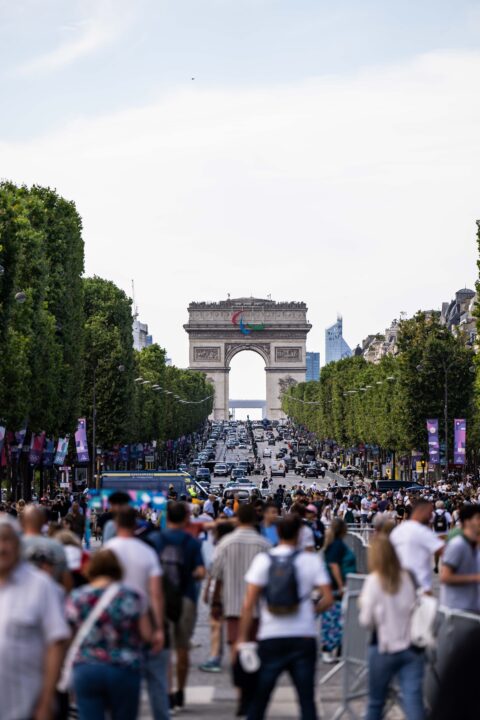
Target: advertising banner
x,y
17,444
36,448
48,453
460,442
2,437
433,443
81,441
62,449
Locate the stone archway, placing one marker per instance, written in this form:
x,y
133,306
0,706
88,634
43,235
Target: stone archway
x,y
277,331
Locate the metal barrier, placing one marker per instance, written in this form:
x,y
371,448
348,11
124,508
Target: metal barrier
x,y
452,628
358,540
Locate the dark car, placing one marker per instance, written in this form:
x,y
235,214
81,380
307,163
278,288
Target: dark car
x,y
202,474
271,441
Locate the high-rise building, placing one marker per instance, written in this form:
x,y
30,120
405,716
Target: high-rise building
x,y
335,346
140,334
313,366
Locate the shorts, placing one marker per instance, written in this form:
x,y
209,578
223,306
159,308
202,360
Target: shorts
x,y
182,631
233,625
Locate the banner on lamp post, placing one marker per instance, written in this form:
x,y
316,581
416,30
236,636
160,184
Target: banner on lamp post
x,y
36,448
81,441
433,443
460,441
62,449
48,453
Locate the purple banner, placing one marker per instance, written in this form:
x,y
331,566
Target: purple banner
x,y
433,443
36,448
81,441
62,449
460,442
2,437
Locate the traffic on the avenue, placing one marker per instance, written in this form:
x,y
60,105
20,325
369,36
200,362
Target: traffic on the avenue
x,y
238,586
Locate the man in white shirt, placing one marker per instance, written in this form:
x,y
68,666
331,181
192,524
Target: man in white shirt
x,y
287,641
416,545
142,573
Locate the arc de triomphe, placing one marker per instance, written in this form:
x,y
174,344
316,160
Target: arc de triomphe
x,y
275,330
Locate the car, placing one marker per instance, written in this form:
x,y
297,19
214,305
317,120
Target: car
x,y
267,453
203,474
238,474
311,471
277,467
242,446
271,441
220,469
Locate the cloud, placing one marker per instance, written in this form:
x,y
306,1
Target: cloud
x,y
105,21
358,194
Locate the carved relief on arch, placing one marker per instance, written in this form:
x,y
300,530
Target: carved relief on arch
x,y
231,349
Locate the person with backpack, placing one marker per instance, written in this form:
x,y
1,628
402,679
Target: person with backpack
x,y
442,521
341,562
182,563
284,580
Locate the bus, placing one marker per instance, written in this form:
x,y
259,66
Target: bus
x,y
153,480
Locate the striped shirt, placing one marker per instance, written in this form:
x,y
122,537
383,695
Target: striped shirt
x,y
232,558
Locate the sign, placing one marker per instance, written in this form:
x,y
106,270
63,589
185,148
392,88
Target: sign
x,y
36,448
433,443
2,437
81,441
48,453
460,442
62,449
245,328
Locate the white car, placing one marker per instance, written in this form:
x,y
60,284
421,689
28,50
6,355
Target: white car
x,y
267,453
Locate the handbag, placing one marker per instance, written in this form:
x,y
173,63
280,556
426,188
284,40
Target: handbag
x,y
422,622
64,684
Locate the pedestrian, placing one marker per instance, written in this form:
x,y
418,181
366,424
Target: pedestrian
x,y
181,557
33,632
33,520
142,573
287,630
107,663
386,603
459,575
268,526
416,545
232,559
75,520
340,562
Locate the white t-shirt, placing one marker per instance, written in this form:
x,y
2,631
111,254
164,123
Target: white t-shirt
x,y
415,545
139,563
311,573
306,538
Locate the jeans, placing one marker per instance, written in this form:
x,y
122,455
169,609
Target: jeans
x,y
102,689
296,655
408,666
156,675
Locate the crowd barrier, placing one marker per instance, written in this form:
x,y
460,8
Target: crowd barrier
x,y
452,628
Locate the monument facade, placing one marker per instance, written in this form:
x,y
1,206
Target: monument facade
x,y
277,331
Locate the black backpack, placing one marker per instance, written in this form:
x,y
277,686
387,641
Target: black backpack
x,y
172,559
440,522
281,592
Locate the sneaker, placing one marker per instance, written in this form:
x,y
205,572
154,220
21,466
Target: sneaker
x,y
329,658
171,702
180,698
211,666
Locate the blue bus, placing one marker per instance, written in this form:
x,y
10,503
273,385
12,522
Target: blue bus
x,y
153,480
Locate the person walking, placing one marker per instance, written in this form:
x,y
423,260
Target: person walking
x,y
386,603
340,562
459,574
232,559
287,630
142,573
107,663
33,632
75,520
181,557
416,545
33,520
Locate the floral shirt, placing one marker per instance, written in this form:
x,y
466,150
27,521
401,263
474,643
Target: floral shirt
x,y
115,637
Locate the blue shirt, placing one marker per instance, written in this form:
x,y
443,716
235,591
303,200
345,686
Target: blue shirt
x,y
270,533
192,554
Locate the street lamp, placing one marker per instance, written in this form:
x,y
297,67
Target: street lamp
x,y
20,297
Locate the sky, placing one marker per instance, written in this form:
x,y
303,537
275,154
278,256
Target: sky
x,y
316,150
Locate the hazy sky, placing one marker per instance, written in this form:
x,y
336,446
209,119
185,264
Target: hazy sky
x,y
324,151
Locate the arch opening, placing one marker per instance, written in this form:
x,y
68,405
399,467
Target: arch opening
x,y
247,384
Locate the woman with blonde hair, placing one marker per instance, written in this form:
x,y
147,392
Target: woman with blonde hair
x,y
386,604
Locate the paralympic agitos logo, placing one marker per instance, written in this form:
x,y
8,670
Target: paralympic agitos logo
x,y
245,328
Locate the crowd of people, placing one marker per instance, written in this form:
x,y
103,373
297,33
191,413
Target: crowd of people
x,y
272,571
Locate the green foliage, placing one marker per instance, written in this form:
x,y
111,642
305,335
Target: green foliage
x,y
387,404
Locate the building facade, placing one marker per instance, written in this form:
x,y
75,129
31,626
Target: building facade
x,y
458,316
313,366
140,334
335,346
